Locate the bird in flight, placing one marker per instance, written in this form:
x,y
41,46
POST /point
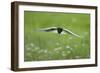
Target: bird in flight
x,y
59,30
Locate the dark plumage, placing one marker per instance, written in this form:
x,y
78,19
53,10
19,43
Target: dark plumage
x,y
59,30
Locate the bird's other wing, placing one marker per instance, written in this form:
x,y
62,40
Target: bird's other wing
x,y
69,32
48,29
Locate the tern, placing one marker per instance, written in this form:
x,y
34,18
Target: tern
x,y
59,30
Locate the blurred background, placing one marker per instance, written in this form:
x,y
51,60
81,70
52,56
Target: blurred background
x,y
41,45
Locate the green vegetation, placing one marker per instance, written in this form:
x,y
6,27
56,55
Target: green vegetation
x,y
40,46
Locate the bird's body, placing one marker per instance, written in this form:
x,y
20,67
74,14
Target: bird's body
x,y
59,30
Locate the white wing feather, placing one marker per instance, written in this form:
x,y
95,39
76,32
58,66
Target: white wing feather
x,y
71,32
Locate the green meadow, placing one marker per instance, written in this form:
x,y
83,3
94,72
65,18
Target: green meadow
x,y
43,46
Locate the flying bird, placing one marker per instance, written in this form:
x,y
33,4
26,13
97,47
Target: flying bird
x,y
59,30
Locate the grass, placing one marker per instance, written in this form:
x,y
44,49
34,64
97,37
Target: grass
x,y
40,46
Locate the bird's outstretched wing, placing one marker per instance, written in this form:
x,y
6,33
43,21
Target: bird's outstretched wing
x,y
49,29
69,32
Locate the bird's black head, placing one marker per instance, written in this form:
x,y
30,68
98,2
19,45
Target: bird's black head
x,y
59,30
